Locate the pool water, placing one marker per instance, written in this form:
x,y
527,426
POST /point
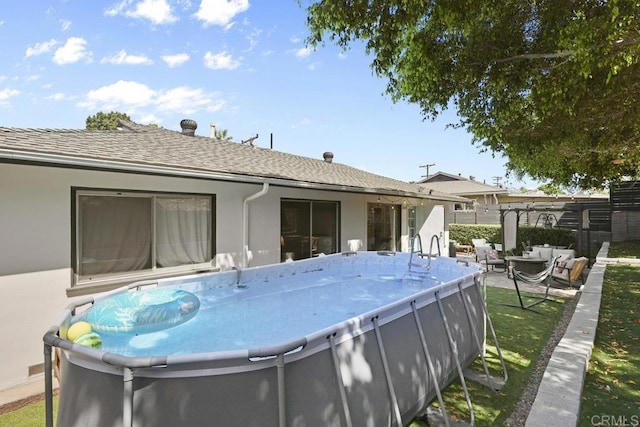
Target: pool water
x,y
266,313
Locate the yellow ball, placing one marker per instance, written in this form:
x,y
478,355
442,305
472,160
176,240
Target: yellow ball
x,y
78,329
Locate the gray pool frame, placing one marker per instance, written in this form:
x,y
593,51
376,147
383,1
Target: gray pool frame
x,y
413,348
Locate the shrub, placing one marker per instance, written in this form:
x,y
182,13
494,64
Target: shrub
x,y
463,233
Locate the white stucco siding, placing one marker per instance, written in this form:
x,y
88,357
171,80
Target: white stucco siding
x,y
35,247
36,233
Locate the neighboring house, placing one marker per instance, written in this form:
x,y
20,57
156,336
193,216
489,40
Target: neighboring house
x,y
83,211
478,193
485,201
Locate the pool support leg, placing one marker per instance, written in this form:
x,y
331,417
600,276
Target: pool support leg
x,y
346,413
430,366
387,373
474,333
282,408
48,386
485,310
454,350
127,400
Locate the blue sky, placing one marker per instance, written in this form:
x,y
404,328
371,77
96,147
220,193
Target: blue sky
x,y
240,64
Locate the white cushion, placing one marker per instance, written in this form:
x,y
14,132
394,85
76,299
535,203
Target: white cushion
x,y
546,253
570,252
565,262
481,251
534,254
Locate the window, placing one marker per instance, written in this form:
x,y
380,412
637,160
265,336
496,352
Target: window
x,y
308,228
463,206
117,234
383,227
412,227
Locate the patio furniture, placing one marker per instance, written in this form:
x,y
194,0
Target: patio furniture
x,y
492,258
480,245
543,277
526,264
569,271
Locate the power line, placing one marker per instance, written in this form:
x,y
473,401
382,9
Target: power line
x,y
427,167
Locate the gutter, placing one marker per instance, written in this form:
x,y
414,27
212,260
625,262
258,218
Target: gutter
x,y
116,166
245,221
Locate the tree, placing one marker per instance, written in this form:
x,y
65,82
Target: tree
x,y
105,121
551,84
222,135
550,189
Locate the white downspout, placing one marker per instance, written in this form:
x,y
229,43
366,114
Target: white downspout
x,y
245,221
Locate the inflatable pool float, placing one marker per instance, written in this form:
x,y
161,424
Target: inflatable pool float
x,y
143,312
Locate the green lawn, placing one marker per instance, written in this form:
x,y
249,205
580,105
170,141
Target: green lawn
x,y
612,386
28,416
630,249
521,334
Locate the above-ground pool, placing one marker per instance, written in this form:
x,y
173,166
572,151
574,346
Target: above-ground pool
x,y
353,339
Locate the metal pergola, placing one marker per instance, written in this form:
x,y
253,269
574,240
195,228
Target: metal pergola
x,y
581,210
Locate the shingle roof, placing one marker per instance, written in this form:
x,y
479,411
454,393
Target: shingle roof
x,y
141,145
464,187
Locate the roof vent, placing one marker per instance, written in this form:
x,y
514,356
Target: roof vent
x,y
188,127
328,156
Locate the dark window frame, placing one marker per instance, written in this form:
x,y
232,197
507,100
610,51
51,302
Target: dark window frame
x,y
117,279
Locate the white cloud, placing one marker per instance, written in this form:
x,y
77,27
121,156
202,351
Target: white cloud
x,y
73,50
59,96
176,60
302,123
40,48
157,11
123,57
118,96
65,24
252,38
220,12
130,96
183,99
220,61
217,105
303,52
117,8
148,119
7,94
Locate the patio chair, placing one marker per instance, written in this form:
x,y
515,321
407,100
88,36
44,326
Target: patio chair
x,y
480,245
492,258
544,277
570,271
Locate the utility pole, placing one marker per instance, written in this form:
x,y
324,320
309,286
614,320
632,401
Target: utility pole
x,y
427,167
496,180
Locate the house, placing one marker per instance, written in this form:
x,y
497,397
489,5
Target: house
x,y
478,193
82,212
485,201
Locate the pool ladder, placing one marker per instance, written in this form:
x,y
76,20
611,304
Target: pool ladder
x,y
420,253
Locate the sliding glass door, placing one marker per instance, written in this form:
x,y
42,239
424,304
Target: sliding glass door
x,y
308,228
383,227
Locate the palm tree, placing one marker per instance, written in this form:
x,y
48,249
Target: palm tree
x,y
222,135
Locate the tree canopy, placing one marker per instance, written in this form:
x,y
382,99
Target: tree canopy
x,y
105,121
554,85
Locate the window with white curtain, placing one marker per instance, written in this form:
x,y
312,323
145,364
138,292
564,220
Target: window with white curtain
x,y
118,233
